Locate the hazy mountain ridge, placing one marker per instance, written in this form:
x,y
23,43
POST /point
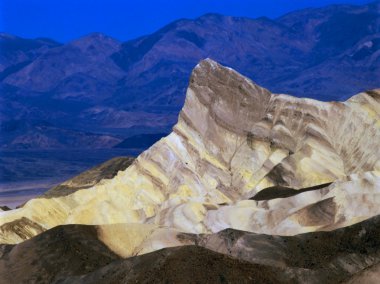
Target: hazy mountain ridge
x,y
96,81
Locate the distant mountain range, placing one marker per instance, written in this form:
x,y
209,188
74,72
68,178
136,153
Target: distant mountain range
x,y
93,91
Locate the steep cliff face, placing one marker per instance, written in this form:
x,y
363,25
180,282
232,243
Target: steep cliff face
x,y
232,141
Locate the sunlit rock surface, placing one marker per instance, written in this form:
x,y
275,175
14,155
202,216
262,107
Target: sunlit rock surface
x,y
232,141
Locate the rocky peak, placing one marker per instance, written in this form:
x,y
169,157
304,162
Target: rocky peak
x,y
233,140
231,100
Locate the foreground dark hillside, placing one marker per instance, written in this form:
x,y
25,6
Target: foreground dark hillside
x,y
78,254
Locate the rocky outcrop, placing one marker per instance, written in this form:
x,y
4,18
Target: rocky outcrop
x,y
232,141
89,178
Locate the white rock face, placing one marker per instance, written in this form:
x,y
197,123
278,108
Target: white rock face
x,y
343,203
234,139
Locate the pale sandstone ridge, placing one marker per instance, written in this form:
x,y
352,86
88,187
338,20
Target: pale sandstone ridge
x,y
234,139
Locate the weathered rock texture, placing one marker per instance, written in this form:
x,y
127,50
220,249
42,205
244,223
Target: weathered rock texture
x,y
234,140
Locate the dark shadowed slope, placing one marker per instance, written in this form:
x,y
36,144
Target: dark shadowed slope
x,y
77,254
283,192
63,251
318,257
90,177
189,264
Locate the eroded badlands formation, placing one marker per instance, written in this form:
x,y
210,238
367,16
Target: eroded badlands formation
x,y
239,158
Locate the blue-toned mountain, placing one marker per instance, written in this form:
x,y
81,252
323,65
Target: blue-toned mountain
x,y
97,83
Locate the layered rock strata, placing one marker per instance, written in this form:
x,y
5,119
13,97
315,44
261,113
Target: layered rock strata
x,y
234,140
